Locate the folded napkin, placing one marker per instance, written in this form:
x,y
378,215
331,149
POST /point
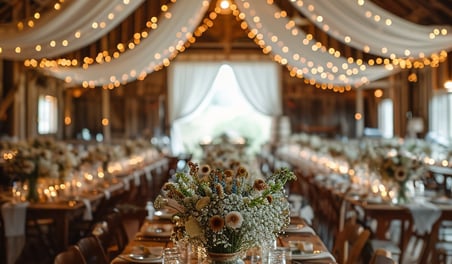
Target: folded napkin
x,y
88,214
424,215
148,173
137,178
307,213
296,229
126,184
14,216
320,255
112,188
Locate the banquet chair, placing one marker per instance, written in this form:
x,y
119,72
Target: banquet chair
x,y
92,250
71,255
117,234
350,242
381,256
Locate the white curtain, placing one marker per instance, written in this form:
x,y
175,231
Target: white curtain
x,y
258,85
289,45
440,117
190,83
389,33
61,26
189,93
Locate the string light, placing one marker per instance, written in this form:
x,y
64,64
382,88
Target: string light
x,y
120,48
405,63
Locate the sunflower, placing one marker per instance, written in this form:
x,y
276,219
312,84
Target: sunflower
x,y
216,223
400,174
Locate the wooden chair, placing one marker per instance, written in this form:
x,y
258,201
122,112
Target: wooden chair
x,y
117,235
71,255
381,256
92,250
350,242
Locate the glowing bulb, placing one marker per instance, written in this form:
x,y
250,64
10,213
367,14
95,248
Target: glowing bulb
x,y
224,4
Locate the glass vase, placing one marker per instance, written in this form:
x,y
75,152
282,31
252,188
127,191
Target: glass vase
x,y
403,194
225,258
33,195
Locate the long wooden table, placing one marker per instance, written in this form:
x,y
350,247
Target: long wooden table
x,y
283,241
64,212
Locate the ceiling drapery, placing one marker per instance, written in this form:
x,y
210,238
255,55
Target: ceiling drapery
x,y
297,50
158,48
303,56
378,32
63,31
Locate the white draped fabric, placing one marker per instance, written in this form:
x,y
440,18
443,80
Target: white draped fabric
x,y
189,93
61,26
189,86
161,45
258,86
401,38
318,65
305,58
190,83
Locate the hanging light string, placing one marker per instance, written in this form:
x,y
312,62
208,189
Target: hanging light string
x,y
169,38
306,58
69,27
407,45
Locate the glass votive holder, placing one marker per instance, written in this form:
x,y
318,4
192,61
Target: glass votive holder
x,y
18,192
277,256
171,256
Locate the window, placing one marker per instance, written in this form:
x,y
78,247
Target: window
x,y
441,118
227,112
47,114
385,118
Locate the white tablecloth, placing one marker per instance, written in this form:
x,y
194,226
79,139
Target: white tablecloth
x,y
14,217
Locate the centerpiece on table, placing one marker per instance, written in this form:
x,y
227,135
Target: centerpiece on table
x,y
28,162
226,211
399,167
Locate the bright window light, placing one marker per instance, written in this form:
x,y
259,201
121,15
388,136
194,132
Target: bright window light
x,y
228,112
47,114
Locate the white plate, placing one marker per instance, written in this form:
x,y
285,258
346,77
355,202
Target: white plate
x,y
157,230
310,255
442,200
151,259
294,228
137,253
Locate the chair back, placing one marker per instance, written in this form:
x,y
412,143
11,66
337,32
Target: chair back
x,y
117,233
92,250
381,256
350,242
71,255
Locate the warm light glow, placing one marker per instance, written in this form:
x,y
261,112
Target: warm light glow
x,y
378,93
105,121
448,86
224,4
358,116
67,120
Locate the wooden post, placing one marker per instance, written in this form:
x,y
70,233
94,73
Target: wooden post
x,y
106,127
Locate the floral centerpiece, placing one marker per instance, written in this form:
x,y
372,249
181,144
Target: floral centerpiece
x,y
399,167
227,211
27,162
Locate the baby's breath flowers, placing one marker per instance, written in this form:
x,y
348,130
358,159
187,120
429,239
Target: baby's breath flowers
x,y
227,210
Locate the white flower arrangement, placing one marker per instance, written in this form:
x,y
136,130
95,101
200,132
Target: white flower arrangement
x,y
400,166
227,211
